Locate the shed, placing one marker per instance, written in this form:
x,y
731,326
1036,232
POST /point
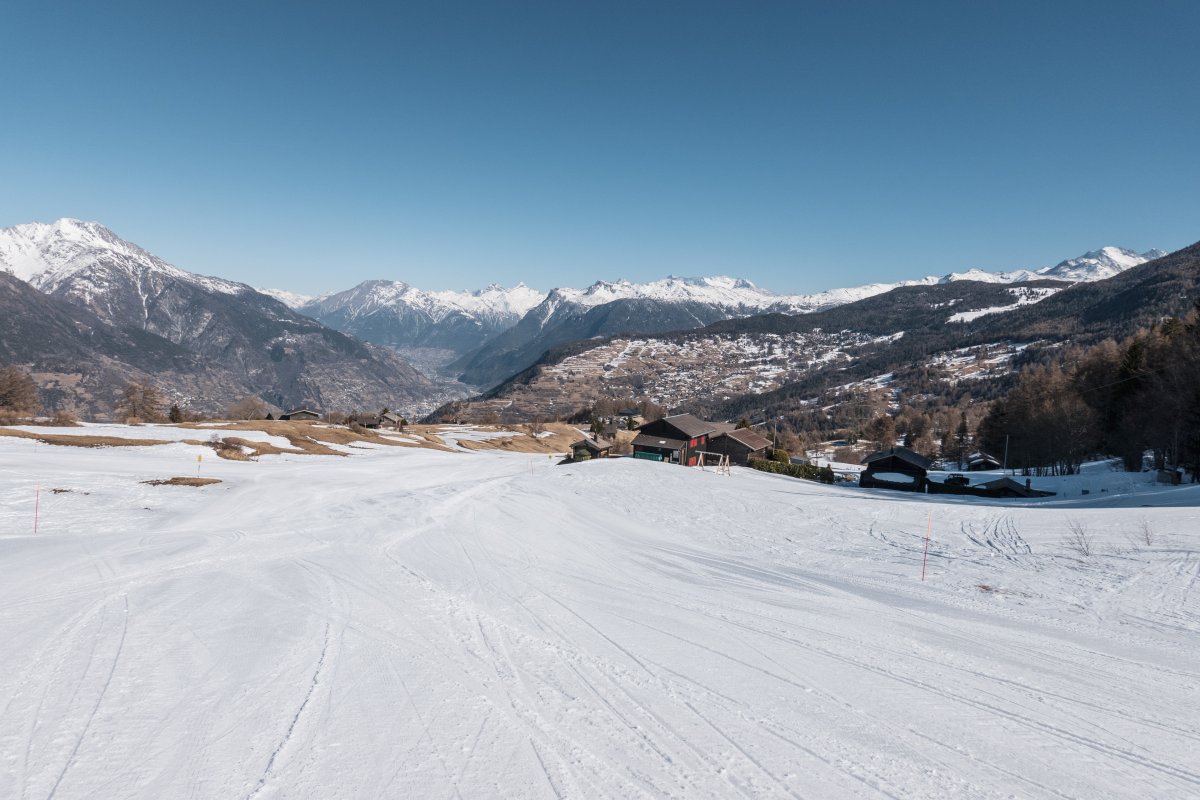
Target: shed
x,y
391,419
365,420
895,468
588,448
740,444
678,439
301,414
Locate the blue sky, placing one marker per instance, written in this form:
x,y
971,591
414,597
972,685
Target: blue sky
x,y
800,145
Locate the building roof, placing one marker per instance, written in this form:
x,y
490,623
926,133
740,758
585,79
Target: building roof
x,y
902,453
591,444
1015,487
975,458
646,440
749,438
391,415
303,411
689,425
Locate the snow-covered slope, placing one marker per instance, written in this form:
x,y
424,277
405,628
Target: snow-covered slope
x,y
413,624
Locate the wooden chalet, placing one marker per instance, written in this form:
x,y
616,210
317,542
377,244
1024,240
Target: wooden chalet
x,y
366,420
678,439
390,419
588,448
301,414
740,444
896,468
979,462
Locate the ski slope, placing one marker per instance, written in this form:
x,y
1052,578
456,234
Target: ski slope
x,y
413,623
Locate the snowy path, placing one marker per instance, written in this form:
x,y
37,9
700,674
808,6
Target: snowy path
x,y
410,623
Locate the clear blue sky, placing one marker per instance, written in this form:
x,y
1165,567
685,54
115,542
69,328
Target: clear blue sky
x,y
800,145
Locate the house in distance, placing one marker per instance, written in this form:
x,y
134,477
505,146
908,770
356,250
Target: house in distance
x,y
740,444
588,448
896,468
678,439
301,414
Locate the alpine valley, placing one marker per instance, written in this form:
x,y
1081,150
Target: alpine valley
x,y
86,311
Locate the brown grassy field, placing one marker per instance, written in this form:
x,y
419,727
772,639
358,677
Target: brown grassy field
x,y
315,438
81,441
183,481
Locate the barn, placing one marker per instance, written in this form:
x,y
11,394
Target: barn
x,y
678,439
895,468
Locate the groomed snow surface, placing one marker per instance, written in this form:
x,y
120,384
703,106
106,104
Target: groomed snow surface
x,y
414,623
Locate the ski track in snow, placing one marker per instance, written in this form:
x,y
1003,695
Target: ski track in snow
x,y
414,623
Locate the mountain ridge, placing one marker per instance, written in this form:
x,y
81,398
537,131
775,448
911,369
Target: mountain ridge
x,y
284,357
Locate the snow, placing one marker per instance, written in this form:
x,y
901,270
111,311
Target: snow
x,y
48,255
398,297
894,477
289,299
1023,296
411,623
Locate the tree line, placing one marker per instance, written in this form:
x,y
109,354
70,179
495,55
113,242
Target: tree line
x,y
1128,398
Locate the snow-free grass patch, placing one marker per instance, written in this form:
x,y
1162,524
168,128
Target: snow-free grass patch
x,y
81,441
186,481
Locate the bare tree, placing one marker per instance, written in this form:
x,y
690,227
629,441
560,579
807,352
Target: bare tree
x,y
142,401
18,392
1078,539
1144,536
248,408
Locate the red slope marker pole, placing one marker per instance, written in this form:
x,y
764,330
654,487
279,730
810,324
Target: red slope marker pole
x,y
928,530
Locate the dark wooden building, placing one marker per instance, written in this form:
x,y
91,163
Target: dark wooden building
x,y
740,444
301,414
896,468
979,462
366,420
678,439
587,448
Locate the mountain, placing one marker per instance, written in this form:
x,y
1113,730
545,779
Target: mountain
x,y
956,336
81,362
287,358
289,299
400,316
622,307
486,336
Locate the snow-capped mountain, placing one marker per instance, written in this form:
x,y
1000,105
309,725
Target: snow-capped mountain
x,y
612,307
398,315
289,299
88,256
965,333
288,358
1098,264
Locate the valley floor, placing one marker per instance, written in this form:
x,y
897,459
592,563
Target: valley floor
x,y
406,622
